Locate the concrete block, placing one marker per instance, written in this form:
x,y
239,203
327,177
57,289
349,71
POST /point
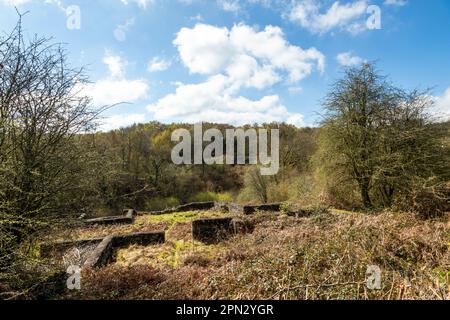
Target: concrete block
x,y
142,239
102,255
212,230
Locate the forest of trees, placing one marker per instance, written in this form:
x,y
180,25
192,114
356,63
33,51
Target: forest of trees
x,y
377,147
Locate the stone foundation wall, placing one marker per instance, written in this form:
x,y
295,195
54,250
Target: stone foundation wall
x,y
264,207
238,209
212,231
127,217
103,254
233,208
209,231
58,248
109,221
142,239
195,206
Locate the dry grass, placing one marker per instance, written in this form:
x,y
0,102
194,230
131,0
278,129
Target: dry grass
x,y
171,254
178,248
323,256
144,223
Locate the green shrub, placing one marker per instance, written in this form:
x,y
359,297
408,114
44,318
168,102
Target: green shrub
x,y
160,203
211,196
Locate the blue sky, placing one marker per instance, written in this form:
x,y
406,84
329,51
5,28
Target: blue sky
x,y
239,61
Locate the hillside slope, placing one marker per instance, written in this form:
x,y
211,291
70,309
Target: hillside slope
x,y
321,256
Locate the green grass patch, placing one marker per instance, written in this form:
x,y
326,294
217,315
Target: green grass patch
x,y
178,217
211,196
160,203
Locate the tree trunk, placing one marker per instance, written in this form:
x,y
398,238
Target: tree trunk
x,y
365,195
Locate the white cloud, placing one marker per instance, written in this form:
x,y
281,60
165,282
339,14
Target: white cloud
x,y
158,64
209,102
309,14
244,6
229,5
16,3
442,106
187,2
347,59
208,50
398,3
197,17
266,3
109,92
234,60
204,49
141,3
296,120
115,64
115,89
295,89
120,121
120,33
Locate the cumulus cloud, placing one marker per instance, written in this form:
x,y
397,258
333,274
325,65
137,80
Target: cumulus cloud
x,y
116,64
209,101
442,106
120,121
109,92
347,59
207,49
310,15
233,60
115,88
157,64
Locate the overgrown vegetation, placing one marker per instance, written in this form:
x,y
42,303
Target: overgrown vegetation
x,y
42,161
377,151
380,140
323,256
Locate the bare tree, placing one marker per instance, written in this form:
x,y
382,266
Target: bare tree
x,y
42,110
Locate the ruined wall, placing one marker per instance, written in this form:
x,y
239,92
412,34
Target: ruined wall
x,y
127,217
238,209
195,206
212,230
105,248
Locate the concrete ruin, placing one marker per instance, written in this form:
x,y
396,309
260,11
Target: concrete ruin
x,y
127,217
104,248
102,255
140,238
99,252
233,208
194,206
57,248
238,209
215,230
212,231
